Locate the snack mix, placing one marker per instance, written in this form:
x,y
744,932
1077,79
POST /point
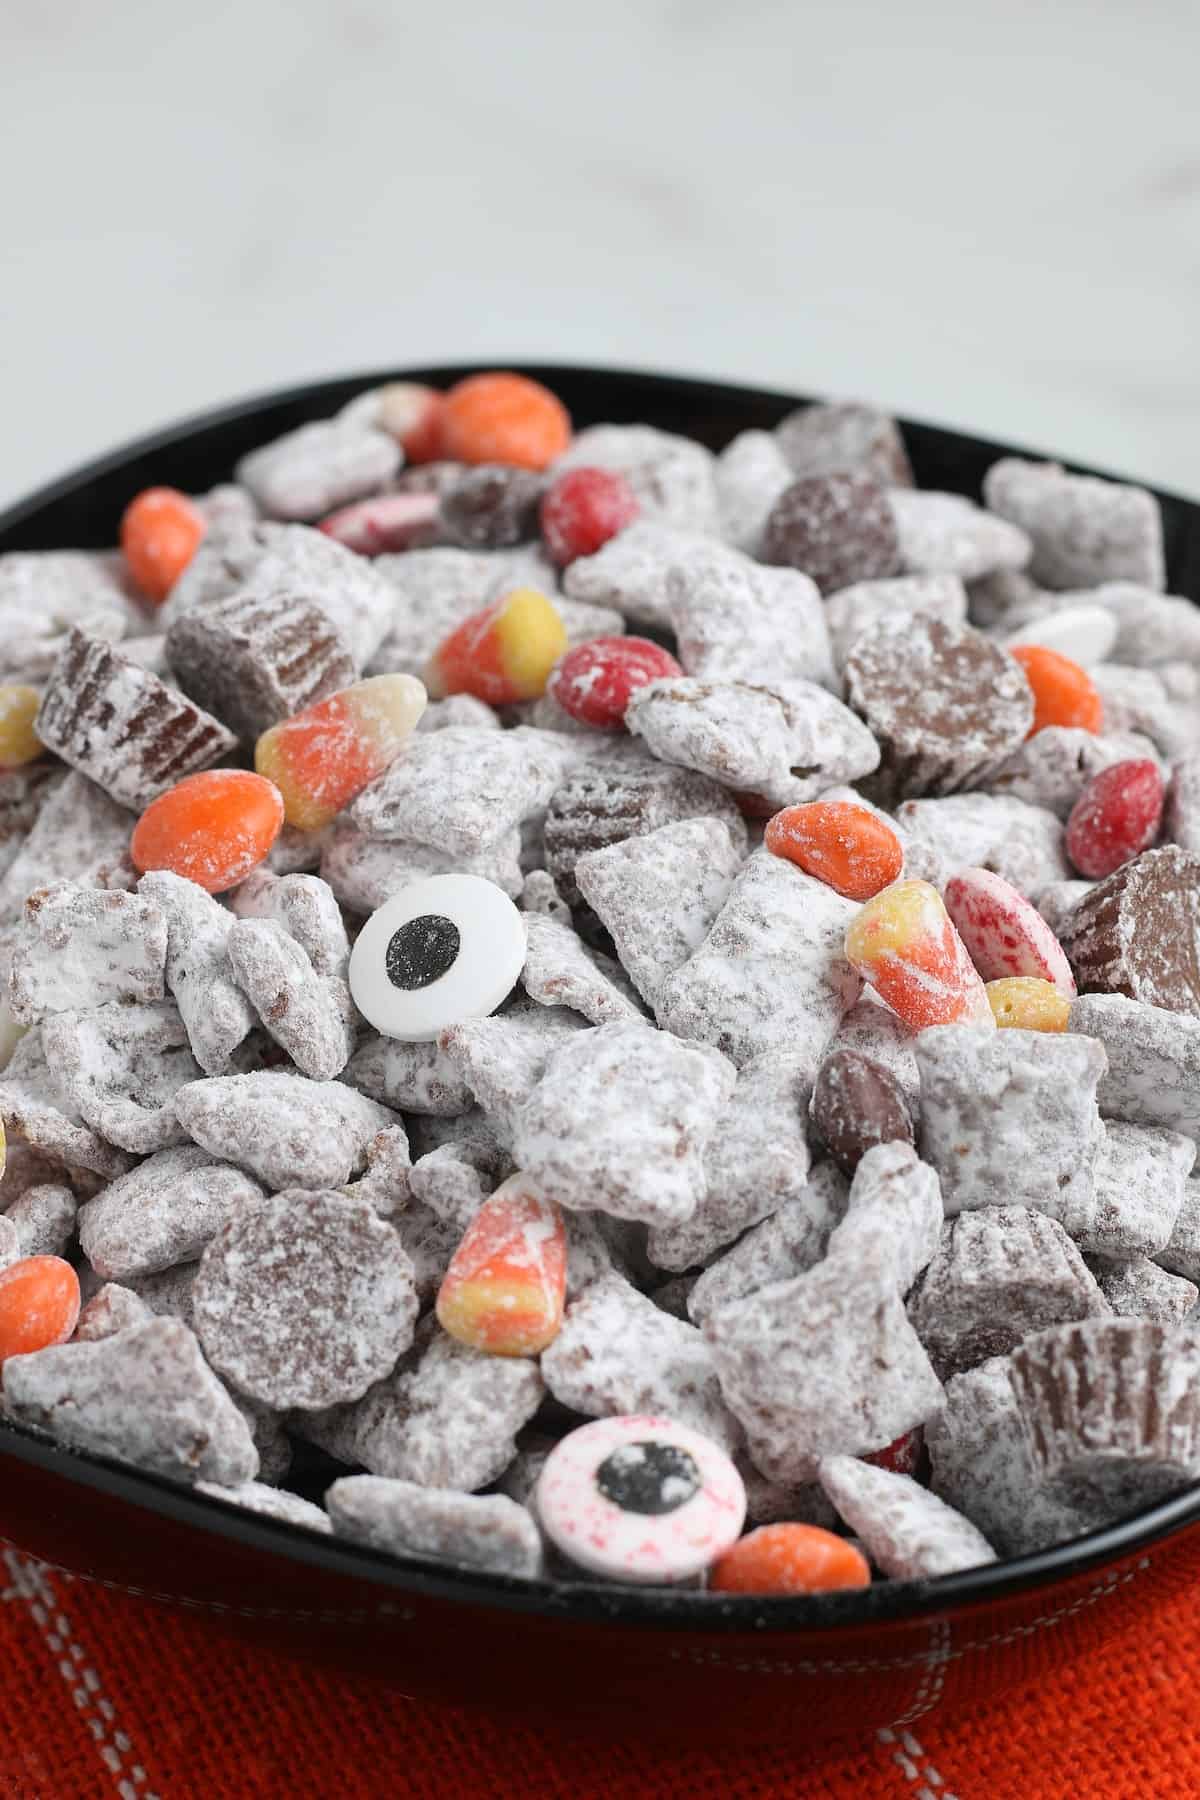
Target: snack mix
x,y
602,1010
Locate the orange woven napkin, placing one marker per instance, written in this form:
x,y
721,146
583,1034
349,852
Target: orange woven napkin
x,y
108,1697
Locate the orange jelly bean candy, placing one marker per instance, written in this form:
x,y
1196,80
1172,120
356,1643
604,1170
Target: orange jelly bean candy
x,y
212,828
506,1283
321,758
846,846
503,418
904,944
503,654
39,1305
789,1559
159,534
1063,693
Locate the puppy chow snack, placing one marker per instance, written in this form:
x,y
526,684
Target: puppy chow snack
x,y
670,477
908,1533
363,872
751,472
270,1502
1052,768
1139,1181
216,1014
454,1180
893,1220
43,1219
944,534
503,1058
80,946
78,834
112,1308
410,1076
560,970
478,1531
1140,1289
1084,531
462,788
855,610
790,1240
35,1109
310,1016
45,594
162,1213
286,1130
734,620
317,467
829,439
1022,843
121,1067
385,1183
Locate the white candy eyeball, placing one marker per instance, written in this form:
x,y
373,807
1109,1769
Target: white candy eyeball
x,y
443,950
640,1499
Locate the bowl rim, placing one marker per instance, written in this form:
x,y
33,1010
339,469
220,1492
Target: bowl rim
x,y
885,1602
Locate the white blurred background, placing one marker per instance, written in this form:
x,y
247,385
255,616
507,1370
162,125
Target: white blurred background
x,y
986,212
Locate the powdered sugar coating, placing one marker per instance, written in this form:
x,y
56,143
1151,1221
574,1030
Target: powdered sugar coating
x,y
412,1077
1138,1289
310,1016
216,1013
946,534
539,894
82,947
783,741
735,620
435,590
1057,901
462,788
560,970
792,1239
1181,819
111,1309
34,1107
1052,768
385,1184
489,1532
853,610
454,1180
288,1131
1010,1117
1022,843
305,907
79,835
617,1353
145,1396
893,1219
908,1533
671,476
1084,531
43,1219
162,1213
1182,1254
771,973
756,1161
502,1058
317,467
1137,700
305,1299
1153,1074
826,438
44,594
751,472
363,873
122,1067
629,573
1139,1181
269,1503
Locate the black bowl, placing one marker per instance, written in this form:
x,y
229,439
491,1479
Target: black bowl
x,y
568,1656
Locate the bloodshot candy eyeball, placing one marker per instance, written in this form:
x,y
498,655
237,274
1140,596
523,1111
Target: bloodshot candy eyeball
x,y
640,1499
442,951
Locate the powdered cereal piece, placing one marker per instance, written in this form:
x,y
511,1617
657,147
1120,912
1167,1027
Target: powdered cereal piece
x,y
44,1219
145,1396
305,907
317,467
1059,899
943,701
111,1309
982,1465
1085,531
488,1532
946,534
1112,1411
823,1364
23,793
735,620
162,1213
1181,819
771,973
362,873
385,1184
837,528
539,894
1001,1274
1139,1289
908,1533
463,788
756,1161
310,1016
751,473
295,852
454,1180
1053,767
458,709
288,1131
598,807
168,1295
305,1299
594,1250
1137,932
668,1095
216,1014
1182,1254
781,741
793,1239
122,1066
45,593
117,723
629,572
672,477
270,1502
853,610
33,1106
872,1029
1138,1187
81,947
1022,843
617,1353
1010,1117
503,1058
857,1103
893,1221
412,1077
827,439
560,970
1151,628
1137,700
79,835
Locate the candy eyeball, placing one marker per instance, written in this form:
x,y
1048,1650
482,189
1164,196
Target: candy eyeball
x,y
443,950
640,1499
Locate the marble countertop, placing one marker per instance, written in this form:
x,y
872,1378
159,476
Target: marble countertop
x,y
986,215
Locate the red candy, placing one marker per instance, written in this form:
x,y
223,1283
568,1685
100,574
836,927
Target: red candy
x,y
1004,934
902,1456
1116,817
385,522
594,682
583,509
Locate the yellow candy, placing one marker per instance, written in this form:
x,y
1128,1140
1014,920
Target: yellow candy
x,y
1027,1003
321,758
502,654
19,742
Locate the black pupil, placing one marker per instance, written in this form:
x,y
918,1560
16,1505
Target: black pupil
x,y
648,1478
421,951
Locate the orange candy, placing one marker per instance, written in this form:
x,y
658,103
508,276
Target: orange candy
x,y
39,1305
843,845
502,418
503,654
1063,693
322,757
904,943
159,534
789,1559
211,828
504,1289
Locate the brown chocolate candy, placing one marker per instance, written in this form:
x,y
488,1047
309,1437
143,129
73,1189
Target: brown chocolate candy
x,y
1135,932
943,701
492,507
254,659
836,528
858,1103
